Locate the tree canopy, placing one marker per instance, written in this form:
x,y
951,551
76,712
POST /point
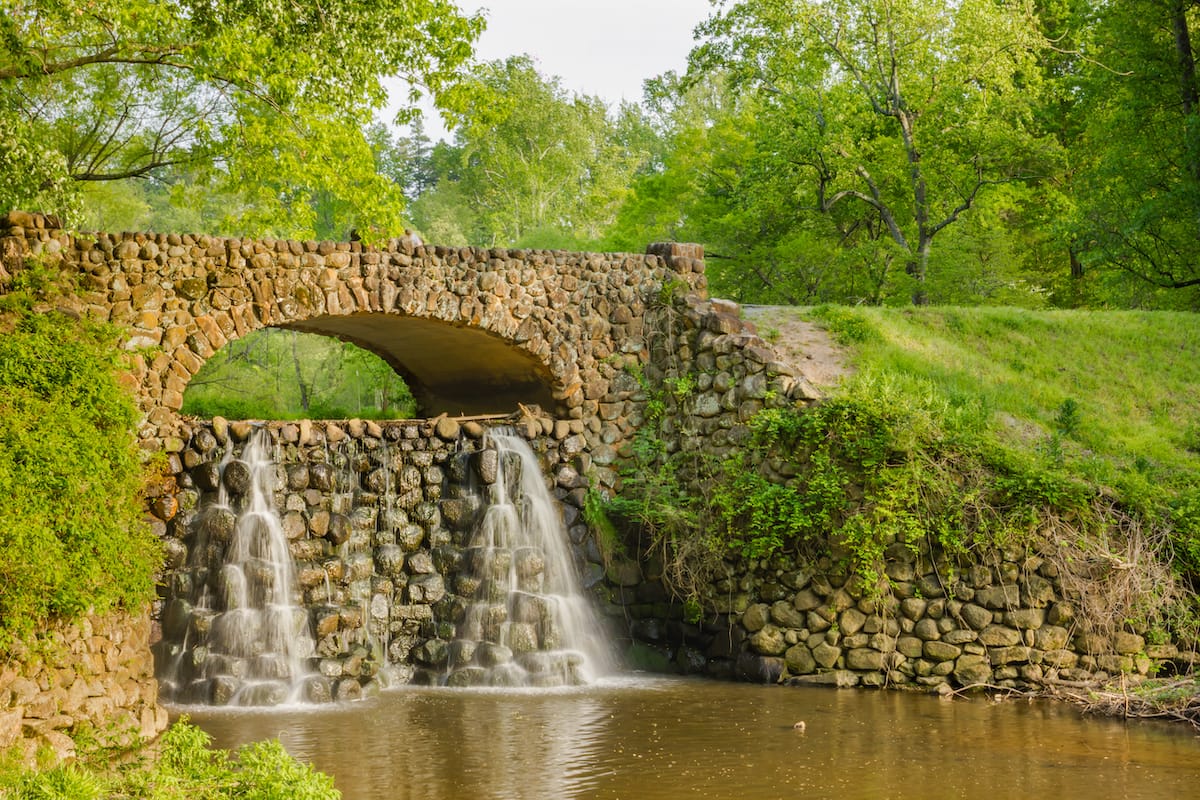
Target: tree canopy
x,y
1025,152
264,100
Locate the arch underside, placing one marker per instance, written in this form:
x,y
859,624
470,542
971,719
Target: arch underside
x,y
449,369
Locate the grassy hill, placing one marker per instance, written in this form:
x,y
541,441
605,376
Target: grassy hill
x,y
1078,431
1115,395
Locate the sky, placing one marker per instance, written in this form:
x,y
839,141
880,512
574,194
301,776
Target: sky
x,y
597,47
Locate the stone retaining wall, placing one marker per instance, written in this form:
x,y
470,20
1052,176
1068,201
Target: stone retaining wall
x,y
96,674
1007,623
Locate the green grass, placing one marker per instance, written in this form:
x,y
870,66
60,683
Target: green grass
x,y
1005,374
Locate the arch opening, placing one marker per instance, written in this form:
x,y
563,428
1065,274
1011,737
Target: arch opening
x,y
450,369
274,373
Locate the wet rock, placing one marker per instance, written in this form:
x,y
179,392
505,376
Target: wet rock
x,y
389,560
297,477
759,669
236,478
321,476
348,689
490,654
339,529
207,476
690,661
204,440
426,589
432,653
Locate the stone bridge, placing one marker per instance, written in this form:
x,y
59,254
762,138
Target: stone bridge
x,y
573,345
473,331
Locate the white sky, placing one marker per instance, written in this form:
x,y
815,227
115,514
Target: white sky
x,y
597,47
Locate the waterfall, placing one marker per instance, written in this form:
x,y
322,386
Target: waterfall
x,y
245,640
528,623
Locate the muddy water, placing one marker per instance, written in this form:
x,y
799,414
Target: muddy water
x,y
673,738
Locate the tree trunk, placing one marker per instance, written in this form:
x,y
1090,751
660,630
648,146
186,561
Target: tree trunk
x,y
917,267
1189,93
304,398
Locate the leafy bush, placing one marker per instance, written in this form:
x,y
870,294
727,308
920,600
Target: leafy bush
x,y
71,534
185,768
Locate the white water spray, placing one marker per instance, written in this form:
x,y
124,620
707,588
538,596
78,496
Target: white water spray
x,y
529,624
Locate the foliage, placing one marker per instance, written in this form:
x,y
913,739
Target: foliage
x,y
263,103
531,164
181,765
865,129
1136,180
281,374
72,536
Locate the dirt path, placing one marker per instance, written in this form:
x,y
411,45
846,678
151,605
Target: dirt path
x,y
808,348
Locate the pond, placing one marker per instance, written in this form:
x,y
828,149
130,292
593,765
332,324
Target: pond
x,y
650,738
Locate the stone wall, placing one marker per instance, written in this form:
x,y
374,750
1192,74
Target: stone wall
x,y
378,518
96,674
1003,619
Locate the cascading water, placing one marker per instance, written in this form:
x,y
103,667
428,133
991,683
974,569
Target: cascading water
x,y
529,624
244,640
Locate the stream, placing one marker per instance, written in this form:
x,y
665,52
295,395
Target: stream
x,y
651,737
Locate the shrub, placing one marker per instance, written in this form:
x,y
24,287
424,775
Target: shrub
x,y
71,535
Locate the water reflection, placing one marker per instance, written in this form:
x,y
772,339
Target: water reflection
x,y
676,738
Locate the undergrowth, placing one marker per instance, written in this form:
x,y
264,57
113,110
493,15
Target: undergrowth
x,y
71,533
180,766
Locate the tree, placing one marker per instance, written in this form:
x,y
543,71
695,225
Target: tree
x,y
537,161
125,89
1138,180
905,108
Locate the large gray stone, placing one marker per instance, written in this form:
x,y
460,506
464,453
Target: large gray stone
x,y
799,659
941,651
976,616
785,615
970,670
864,658
999,636
826,654
769,641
